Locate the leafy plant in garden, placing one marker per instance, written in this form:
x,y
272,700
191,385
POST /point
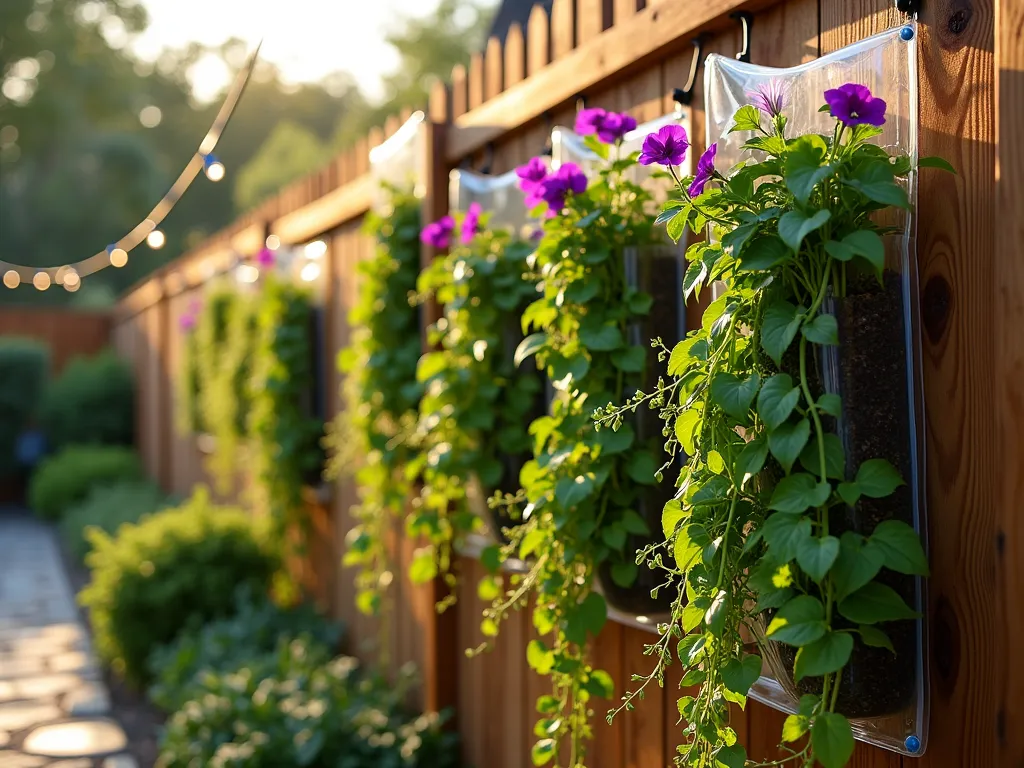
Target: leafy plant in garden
x,y
476,406
782,530
285,435
66,478
581,488
381,392
187,384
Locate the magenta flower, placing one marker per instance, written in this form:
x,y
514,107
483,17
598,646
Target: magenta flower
x,y
187,322
853,104
471,223
265,258
771,97
537,234
531,174
666,147
705,171
439,233
610,127
567,180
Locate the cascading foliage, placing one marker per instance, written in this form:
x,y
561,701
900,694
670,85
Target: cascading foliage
x,y
580,489
381,392
760,527
476,406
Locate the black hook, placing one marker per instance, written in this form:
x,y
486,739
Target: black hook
x,y
909,7
746,20
581,102
548,150
683,96
488,164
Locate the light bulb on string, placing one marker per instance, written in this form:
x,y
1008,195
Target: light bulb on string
x,y
213,167
118,256
156,239
72,282
41,281
12,279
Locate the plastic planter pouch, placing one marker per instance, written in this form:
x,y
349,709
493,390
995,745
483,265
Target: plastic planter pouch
x,y
875,369
399,161
658,271
500,197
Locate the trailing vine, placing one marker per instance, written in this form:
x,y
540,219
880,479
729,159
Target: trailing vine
x,y
381,392
476,406
581,488
188,418
790,526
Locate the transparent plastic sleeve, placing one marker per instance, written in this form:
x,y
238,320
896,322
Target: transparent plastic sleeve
x,y
875,369
500,196
398,162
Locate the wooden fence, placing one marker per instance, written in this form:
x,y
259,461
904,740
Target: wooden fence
x,y
629,55
67,333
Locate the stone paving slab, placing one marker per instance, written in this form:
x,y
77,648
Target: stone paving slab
x,y
52,702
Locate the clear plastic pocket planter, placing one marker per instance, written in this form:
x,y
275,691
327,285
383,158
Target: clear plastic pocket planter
x,y
398,162
657,270
501,197
875,370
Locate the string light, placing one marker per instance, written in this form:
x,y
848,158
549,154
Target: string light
x,y
156,239
273,242
116,255
71,281
316,249
310,272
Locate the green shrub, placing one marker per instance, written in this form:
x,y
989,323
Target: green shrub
x,y
304,713
91,403
107,508
176,568
254,637
24,367
66,478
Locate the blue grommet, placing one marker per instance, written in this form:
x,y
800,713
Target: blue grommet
x,y
907,33
913,744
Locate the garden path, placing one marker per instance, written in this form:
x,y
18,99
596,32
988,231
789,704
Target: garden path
x,y
52,697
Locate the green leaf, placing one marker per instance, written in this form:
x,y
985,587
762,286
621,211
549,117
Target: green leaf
x,y
686,428
715,462
570,491
815,556
682,353
849,492
874,180
799,622
795,728
633,523
763,252
539,657
877,478
543,751
747,118
734,756
423,568
779,328
900,547
857,564
565,371
785,534
835,461
671,514
737,238
639,303
824,656
614,536
676,226
794,226
530,542
874,603
693,613
739,676
777,399
875,637
935,162
582,291
624,574
613,441
603,338
822,330
787,441
803,168
798,492
530,346
751,459
864,243
717,613
832,740
734,394
629,359
831,404
641,467
593,612
685,550
601,684
695,275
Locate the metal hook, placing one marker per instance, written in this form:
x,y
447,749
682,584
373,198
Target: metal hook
x,y
548,150
488,164
683,96
909,7
581,102
746,20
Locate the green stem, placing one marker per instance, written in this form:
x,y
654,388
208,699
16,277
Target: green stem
x,y
725,540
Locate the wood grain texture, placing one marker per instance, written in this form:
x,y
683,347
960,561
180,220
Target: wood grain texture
x,y
1009,371
494,64
515,55
623,9
475,80
592,18
563,28
538,40
460,94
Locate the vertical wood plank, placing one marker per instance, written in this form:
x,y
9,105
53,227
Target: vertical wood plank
x,y
439,103
460,95
1009,373
606,749
563,27
475,80
538,40
494,63
515,55
592,18
643,729
623,10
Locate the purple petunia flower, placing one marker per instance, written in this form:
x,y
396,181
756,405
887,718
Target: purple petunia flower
x,y
666,147
610,127
265,258
471,223
439,233
531,174
187,322
771,97
705,171
853,104
567,180
589,121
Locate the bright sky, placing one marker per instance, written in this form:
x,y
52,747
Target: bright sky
x,y
306,39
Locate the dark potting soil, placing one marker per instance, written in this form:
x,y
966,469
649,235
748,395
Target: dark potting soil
x,y
869,372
